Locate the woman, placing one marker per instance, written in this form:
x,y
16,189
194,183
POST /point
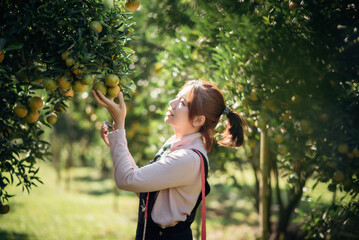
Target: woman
x,y
171,185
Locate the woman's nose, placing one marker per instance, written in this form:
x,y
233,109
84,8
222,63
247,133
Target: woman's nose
x,y
173,103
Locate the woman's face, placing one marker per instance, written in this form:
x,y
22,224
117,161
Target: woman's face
x,y
178,113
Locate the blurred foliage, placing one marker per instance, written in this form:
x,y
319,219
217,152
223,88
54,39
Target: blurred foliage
x,y
52,45
335,222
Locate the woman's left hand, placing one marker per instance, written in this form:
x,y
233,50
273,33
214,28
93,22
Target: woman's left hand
x,y
117,111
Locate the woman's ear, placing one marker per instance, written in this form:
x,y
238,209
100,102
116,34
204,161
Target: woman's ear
x,y
199,121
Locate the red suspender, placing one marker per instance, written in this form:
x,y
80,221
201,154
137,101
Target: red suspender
x,y
203,180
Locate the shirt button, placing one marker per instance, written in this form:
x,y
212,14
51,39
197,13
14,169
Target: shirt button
x,y
161,233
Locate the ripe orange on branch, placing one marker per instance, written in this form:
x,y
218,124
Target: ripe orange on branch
x,y
2,56
65,55
35,103
87,79
132,5
69,93
113,91
63,83
96,26
52,118
112,80
78,86
100,86
49,84
32,117
20,110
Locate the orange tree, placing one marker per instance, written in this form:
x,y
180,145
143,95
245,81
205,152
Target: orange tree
x,y
290,76
51,50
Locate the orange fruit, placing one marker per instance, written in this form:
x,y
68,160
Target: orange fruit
x,y
35,103
282,149
77,71
70,62
338,176
253,96
87,79
113,91
78,86
2,56
96,26
65,55
100,86
32,117
63,83
278,138
132,5
69,93
20,110
343,148
49,84
52,118
112,80
60,108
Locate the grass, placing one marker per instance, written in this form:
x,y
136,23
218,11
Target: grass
x,y
90,207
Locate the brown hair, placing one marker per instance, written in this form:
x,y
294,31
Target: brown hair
x,y
206,99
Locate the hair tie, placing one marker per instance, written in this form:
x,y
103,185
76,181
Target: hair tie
x,y
226,110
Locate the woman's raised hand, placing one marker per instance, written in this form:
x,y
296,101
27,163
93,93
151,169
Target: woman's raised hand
x,y
117,111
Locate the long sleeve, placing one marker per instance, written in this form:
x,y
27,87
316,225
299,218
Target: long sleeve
x,y
168,172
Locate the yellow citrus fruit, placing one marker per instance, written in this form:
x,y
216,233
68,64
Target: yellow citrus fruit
x,y
253,96
282,149
35,103
20,110
132,5
338,176
65,55
52,118
77,71
2,56
60,108
87,79
63,83
49,84
96,26
69,93
70,62
100,86
343,148
278,138
112,80
32,117
78,86
113,91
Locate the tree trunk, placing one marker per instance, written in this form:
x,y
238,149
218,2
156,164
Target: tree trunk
x,y
264,183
